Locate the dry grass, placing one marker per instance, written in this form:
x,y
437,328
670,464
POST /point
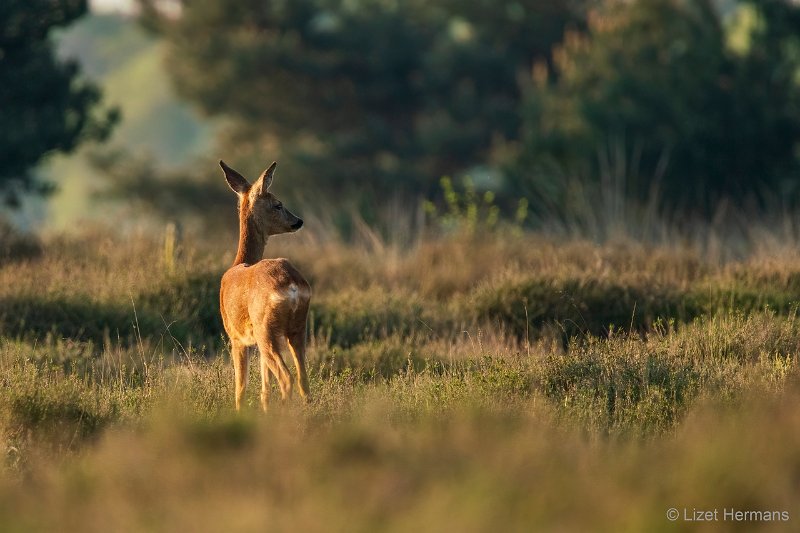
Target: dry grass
x,y
475,382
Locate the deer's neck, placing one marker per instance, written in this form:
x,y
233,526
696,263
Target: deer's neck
x,y
251,244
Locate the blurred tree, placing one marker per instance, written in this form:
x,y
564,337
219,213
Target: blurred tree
x,y
657,100
197,199
366,95
44,104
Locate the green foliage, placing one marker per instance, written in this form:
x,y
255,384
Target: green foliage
x,y
654,102
45,105
469,212
362,96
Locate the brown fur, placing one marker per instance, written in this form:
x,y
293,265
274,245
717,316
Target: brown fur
x,y
263,302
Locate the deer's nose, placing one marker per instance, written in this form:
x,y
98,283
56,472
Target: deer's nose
x,y
297,225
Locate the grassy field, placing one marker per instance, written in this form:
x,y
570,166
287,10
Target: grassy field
x,y
498,381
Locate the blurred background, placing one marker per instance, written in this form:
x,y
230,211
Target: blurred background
x,y
553,247
600,116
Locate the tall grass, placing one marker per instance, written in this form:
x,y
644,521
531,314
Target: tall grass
x,y
481,382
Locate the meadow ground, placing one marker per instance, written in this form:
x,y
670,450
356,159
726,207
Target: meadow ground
x,y
493,381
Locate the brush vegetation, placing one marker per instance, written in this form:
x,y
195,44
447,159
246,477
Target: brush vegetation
x,y
473,381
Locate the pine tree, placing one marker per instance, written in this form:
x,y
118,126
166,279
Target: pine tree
x,y
365,94
45,105
656,92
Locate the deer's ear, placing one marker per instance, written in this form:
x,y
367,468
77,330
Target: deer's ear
x,y
236,181
264,181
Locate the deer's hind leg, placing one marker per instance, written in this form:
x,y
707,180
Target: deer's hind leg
x,y
297,345
265,381
271,361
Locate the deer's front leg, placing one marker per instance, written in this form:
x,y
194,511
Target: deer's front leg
x,y
240,360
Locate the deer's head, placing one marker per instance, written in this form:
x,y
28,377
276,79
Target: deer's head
x,y
258,207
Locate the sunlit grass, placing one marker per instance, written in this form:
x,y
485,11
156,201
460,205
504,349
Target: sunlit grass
x,y
543,385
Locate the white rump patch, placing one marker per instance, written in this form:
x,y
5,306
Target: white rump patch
x,y
293,296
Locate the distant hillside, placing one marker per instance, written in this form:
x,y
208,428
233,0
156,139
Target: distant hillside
x,y
127,63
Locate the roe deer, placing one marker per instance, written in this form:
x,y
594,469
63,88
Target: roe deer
x,y
263,302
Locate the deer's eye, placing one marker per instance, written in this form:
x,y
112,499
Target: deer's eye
x,y
278,207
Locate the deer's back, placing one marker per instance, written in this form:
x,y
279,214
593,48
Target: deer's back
x,y
270,294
